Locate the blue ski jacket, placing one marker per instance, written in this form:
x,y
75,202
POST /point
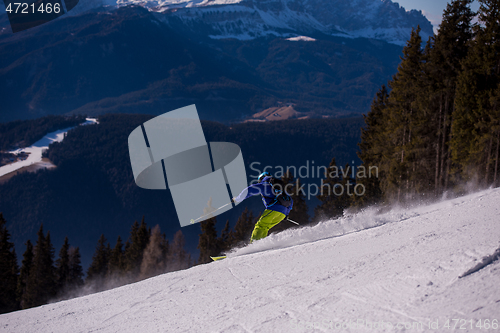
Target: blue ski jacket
x,y
268,197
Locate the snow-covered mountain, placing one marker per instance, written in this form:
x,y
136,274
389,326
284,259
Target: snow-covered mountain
x,y
142,57
431,268
248,19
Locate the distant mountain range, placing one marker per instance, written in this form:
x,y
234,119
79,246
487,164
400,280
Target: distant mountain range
x,y
231,58
249,19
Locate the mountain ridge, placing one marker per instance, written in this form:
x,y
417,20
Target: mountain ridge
x,y
249,19
233,58
127,60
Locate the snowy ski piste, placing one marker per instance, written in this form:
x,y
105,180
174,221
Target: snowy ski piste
x,y
405,270
35,151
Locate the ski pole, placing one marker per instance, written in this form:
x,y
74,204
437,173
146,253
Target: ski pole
x,y
199,218
292,221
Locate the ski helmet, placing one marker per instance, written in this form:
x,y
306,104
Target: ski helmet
x,y
264,175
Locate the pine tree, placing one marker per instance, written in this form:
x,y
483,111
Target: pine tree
x,y
62,266
224,241
99,266
154,260
138,240
31,296
450,48
8,270
75,278
476,120
421,151
116,264
207,243
178,257
165,250
408,131
41,283
329,195
402,113
51,278
242,229
130,256
374,150
373,139
25,272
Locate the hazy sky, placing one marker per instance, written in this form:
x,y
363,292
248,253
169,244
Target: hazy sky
x,y
432,9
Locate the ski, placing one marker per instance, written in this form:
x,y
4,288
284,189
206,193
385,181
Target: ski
x,y
218,258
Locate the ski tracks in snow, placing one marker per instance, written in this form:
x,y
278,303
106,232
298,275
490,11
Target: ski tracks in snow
x,y
403,267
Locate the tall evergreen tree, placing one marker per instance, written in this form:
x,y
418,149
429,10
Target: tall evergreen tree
x,y
31,296
116,264
374,150
207,243
99,266
224,241
178,257
450,48
165,250
243,229
62,266
154,259
373,140
138,240
476,119
27,263
51,278
402,113
441,109
75,278
8,270
41,283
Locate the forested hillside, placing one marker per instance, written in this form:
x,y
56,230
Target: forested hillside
x,y
92,190
23,133
41,278
131,60
436,127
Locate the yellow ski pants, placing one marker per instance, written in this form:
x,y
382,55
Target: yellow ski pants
x,y
268,219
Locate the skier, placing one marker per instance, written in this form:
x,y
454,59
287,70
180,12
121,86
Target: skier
x,y
278,204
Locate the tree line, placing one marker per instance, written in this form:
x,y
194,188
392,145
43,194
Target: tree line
x,y
146,252
41,279
23,133
436,126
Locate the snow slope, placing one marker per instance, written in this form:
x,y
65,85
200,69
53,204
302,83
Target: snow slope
x,y
35,151
383,272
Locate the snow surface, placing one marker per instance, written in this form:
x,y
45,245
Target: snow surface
x,y
401,268
35,151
